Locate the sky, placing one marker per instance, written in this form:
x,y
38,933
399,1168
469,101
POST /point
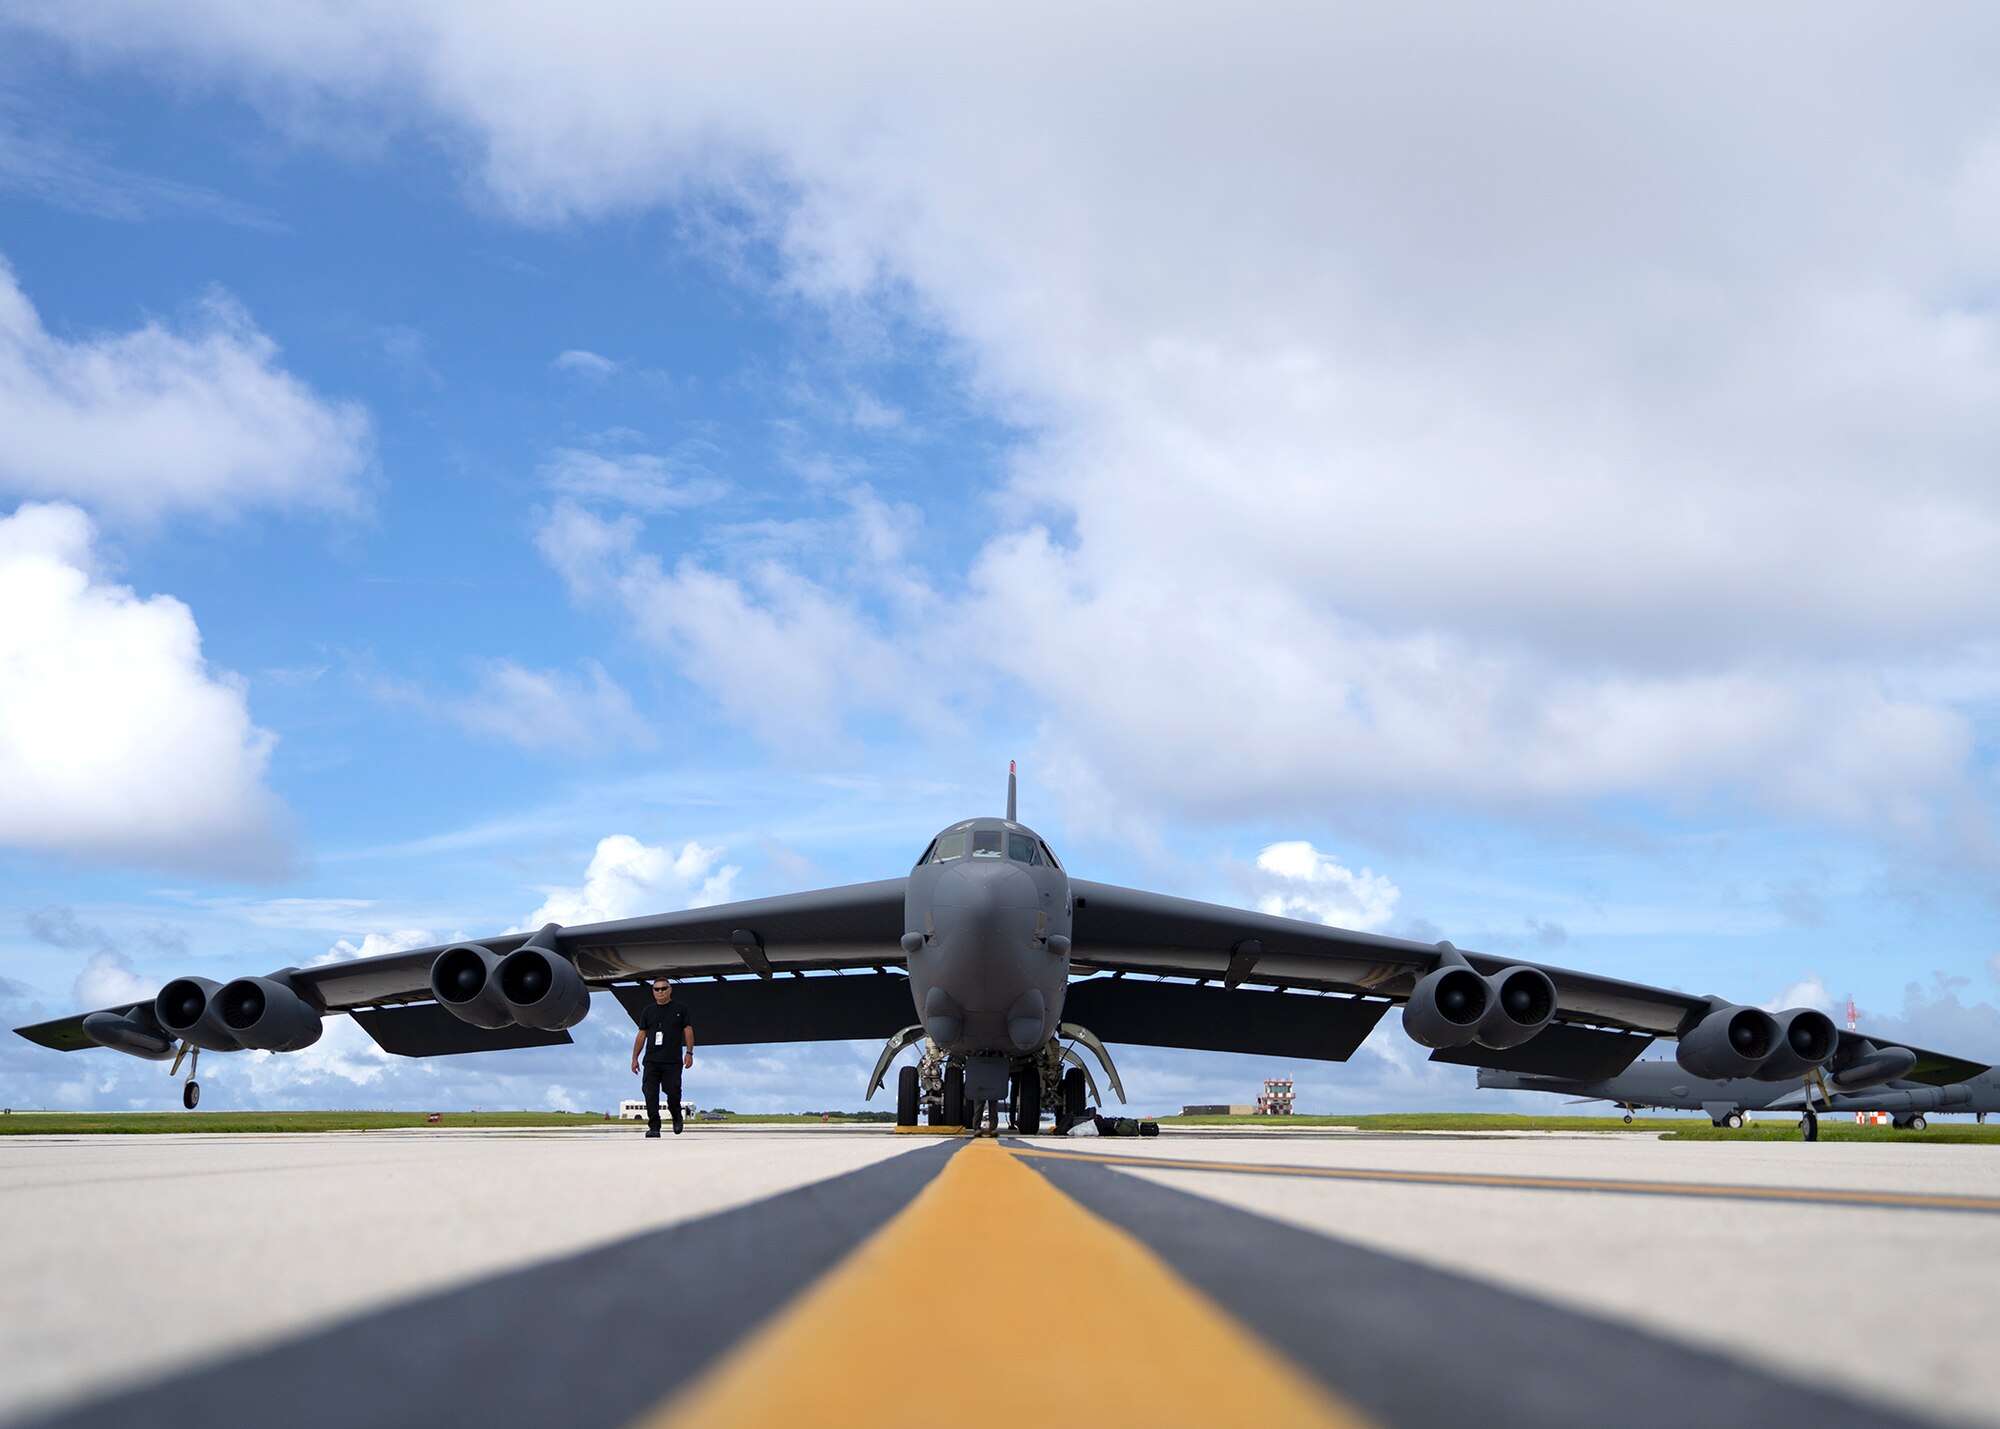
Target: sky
x,y
1531,478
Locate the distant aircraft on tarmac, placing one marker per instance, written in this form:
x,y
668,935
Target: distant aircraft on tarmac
x,y
1007,963
1932,1083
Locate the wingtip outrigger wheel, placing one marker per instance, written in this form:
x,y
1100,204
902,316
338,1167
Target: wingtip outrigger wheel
x,y
191,1091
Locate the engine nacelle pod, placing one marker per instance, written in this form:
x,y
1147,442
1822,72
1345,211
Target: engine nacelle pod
x,y
1447,1007
1729,1042
542,989
185,1008
1524,1002
268,1015
464,983
1806,1039
136,1033
1874,1067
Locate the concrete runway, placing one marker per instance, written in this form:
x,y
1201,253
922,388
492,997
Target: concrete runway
x,y
428,1277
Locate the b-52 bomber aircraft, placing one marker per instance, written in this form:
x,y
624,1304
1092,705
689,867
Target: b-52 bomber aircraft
x,y
1928,1082
1007,962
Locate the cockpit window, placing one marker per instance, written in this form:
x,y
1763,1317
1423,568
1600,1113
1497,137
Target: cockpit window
x,y
1022,849
949,847
986,843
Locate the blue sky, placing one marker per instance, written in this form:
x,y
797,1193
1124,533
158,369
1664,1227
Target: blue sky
x,y
458,464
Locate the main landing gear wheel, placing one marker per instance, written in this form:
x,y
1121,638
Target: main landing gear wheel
x,y
1734,1121
1917,1122
906,1097
954,1097
1073,1094
1028,1102
1809,1126
191,1094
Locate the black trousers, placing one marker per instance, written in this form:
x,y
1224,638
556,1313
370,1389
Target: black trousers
x,y
663,1077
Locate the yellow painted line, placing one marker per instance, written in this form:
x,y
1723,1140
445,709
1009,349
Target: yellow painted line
x,y
1895,1199
993,1298
930,1131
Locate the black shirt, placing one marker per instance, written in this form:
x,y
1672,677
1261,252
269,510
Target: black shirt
x,y
663,1024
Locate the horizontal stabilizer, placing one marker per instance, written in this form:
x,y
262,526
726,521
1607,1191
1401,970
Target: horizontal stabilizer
x,y
426,1030
1578,1054
831,1008
1215,1019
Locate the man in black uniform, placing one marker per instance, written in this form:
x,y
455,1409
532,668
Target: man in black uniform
x,y
666,1042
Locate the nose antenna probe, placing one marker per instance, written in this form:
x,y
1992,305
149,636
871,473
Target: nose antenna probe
x,y
1010,793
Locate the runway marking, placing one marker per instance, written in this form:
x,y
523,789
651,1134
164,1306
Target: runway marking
x,y
1889,1200
971,1291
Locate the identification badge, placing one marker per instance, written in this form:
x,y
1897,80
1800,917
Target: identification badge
x,y
659,1039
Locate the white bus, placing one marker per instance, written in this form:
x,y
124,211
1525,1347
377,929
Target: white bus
x,y
636,1111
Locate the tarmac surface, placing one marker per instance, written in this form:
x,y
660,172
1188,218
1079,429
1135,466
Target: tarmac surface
x,y
744,1276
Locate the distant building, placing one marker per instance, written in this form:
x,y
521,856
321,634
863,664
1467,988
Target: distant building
x,y
1221,1109
1277,1098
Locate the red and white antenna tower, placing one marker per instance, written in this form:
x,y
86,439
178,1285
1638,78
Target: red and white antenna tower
x,y
1850,1012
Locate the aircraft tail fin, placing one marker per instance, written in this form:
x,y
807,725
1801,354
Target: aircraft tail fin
x,y
1010,793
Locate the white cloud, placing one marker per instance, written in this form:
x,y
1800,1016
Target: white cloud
x,y
627,878
374,945
535,709
1434,417
154,420
585,364
117,739
1302,882
109,979
643,481
1809,991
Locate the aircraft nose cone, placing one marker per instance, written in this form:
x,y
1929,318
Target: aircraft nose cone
x,y
986,888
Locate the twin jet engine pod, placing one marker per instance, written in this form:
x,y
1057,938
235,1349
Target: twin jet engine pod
x,y
186,1008
1454,1006
1749,1042
1729,1042
1806,1038
532,986
263,1013
543,989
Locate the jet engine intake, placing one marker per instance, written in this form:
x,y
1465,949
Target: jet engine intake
x,y
1447,1007
1523,1003
266,1014
186,1008
542,989
1729,1042
1806,1039
463,982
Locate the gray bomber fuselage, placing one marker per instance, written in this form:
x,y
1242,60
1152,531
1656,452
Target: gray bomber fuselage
x,y
986,923
1667,1086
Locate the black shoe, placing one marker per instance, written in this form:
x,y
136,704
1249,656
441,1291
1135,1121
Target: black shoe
x,y
654,1134
677,1131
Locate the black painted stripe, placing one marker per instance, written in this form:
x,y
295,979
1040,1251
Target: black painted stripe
x,y
593,1339
1412,1345
1697,1190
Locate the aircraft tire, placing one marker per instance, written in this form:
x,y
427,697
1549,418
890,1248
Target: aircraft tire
x,y
1809,1126
1028,1103
191,1095
906,1097
1074,1090
1917,1122
954,1097
1628,1118
1734,1121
